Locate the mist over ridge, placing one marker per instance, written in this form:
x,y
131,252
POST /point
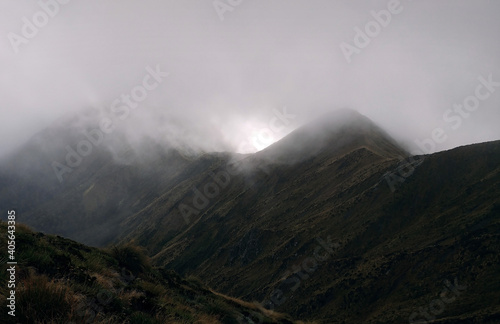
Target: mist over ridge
x,y
225,77
250,162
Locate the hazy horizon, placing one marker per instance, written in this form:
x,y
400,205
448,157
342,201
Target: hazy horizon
x,y
231,68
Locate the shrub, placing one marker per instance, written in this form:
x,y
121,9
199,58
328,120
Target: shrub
x,y
132,257
41,300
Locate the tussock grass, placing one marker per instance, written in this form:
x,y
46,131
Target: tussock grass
x,y
132,257
61,281
41,299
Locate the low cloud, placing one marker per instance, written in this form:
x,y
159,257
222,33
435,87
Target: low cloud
x,y
227,76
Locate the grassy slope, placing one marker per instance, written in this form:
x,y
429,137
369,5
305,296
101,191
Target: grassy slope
x,y
61,281
396,248
98,194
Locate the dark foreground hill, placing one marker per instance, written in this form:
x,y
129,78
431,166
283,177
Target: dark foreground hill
x,y
61,281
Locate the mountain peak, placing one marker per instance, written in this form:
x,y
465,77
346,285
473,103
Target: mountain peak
x,y
335,132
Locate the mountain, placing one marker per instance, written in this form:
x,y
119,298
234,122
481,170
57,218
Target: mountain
x,y
391,251
58,188
339,131
334,223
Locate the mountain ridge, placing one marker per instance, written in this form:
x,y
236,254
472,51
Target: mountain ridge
x,y
332,131
250,224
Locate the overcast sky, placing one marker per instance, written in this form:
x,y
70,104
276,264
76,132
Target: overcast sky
x,y
230,66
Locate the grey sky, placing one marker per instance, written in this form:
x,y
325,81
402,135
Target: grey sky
x,y
227,76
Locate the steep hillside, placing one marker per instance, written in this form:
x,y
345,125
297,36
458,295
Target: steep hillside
x,y
348,141
328,224
390,253
337,132
61,281
113,181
